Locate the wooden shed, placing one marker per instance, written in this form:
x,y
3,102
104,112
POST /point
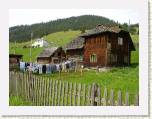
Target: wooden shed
x,y
106,46
75,48
15,58
51,55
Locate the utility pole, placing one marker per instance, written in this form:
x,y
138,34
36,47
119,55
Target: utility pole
x,y
31,46
129,26
128,45
15,47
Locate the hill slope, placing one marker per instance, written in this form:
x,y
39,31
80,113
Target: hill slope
x,y
55,39
22,33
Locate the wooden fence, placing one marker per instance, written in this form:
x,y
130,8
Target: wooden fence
x,y
40,91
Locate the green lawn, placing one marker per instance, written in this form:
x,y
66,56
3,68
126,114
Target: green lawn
x,y
18,101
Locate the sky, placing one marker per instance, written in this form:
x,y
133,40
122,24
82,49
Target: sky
x,y
31,16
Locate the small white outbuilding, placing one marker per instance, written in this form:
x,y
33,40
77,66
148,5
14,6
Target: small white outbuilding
x,y
40,42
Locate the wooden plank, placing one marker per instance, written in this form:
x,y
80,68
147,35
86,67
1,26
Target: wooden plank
x,y
10,83
79,95
136,102
92,94
66,94
74,96
28,88
44,91
56,93
70,100
35,92
89,96
40,91
84,95
119,98
16,84
99,96
105,97
23,93
47,92
53,82
127,99
50,92
62,98
31,88
112,97
59,95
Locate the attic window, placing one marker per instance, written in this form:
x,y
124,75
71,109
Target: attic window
x,y
120,41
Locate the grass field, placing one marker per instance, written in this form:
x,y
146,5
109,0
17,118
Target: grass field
x,y
18,101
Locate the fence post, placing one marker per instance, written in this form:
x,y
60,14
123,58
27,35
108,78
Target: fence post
x,y
89,90
60,89
84,95
50,92
56,92
99,97
62,99
79,95
70,101
119,98
75,92
127,99
112,97
93,94
66,95
136,102
53,82
105,97
16,84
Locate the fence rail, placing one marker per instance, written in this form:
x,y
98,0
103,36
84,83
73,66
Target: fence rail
x,y
42,91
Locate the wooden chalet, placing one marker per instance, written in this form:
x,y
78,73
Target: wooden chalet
x,y
51,56
104,46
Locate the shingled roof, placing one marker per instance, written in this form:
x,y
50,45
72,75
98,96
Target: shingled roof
x,y
77,43
101,29
47,52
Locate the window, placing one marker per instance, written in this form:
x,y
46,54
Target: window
x,y
120,41
93,58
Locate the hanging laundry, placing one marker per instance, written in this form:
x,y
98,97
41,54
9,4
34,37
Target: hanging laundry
x,y
40,68
48,68
22,66
43,69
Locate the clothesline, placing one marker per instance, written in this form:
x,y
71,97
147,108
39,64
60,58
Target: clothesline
x,y
47,68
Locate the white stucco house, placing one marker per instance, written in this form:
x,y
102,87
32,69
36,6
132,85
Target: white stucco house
x,y
40,42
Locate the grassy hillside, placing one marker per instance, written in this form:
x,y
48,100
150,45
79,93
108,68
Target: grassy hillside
x,y
55,39
61,38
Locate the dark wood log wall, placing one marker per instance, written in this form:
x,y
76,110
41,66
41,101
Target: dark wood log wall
x,y
95,45
107,50
118,54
